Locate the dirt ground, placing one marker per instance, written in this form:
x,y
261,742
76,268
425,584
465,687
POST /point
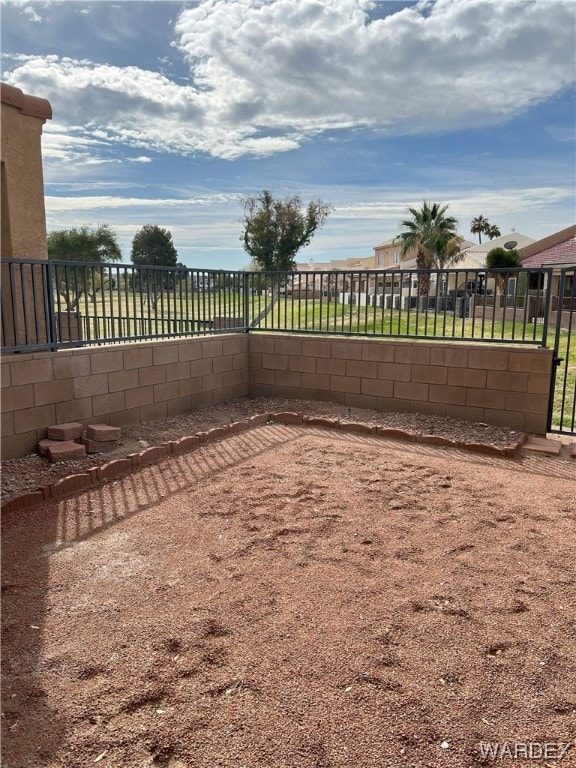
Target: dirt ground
x,y
299,598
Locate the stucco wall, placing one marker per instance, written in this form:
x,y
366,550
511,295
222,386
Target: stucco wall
x,y
23,219
501,385
23,212
119,385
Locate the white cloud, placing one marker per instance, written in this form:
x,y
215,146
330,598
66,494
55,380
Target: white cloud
x,y
267,75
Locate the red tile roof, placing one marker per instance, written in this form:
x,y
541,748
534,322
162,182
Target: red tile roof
x,y
558,248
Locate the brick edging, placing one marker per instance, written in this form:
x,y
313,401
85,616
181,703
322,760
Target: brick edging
x,y
116,468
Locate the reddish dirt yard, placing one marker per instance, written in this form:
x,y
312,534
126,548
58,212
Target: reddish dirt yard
x,y
299,598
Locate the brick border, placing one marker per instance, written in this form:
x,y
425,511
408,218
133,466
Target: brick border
x,y
117,468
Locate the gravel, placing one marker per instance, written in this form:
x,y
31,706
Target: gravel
x,y
27,473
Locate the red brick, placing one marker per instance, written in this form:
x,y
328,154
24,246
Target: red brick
x,y
43,446
98,446
259,418
102,433
482,448
153,455
71,484
355,426
437,440
320,421
115,468
66,451
70,431
287,417
185,444
400,434
239,426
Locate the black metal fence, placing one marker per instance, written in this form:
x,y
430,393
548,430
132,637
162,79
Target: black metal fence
x,y
53,305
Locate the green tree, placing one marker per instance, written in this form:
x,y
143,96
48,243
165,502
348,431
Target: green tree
x,y
84,244
153,246
433,234
492,231
498,260
93,246
478,226
275,230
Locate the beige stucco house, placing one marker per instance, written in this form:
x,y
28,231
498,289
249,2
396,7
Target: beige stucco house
x,y
23,220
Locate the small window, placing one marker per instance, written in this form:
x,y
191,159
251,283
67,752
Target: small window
x,y
380,259
396,257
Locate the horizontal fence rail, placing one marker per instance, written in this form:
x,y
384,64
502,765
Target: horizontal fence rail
x,y
59,304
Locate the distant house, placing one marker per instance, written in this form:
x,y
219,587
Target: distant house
x,y
475,254
556,251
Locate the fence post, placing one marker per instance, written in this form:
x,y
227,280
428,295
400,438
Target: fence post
x,y
246,297
547,303
50,311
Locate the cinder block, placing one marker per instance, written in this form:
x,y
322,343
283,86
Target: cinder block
x,y
31,371
17,398
102,433
98,446
287,346
122,380
365,369
70,431
466,377
275,362
412,354
177,371
155,374
531,361
71,366
139,357
212,348
380,352
105,362
66,451
301,364
347,350
53,392
429,374
510,381
87,386
330,366
110,403
486,398
164,353
315,381
345,384
449,357
288,378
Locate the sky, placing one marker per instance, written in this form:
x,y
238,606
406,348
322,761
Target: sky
x,y
172,113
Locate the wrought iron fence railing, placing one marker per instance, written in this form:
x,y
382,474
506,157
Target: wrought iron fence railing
x,y
53,305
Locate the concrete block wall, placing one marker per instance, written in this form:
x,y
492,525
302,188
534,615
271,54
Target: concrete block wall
x,y
134,383
500,385
120,384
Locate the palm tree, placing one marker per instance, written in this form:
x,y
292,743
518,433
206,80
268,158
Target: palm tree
x,y
449,253
478,226
432,234
492,231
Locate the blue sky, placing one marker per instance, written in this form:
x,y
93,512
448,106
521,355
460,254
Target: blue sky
x,y
170,113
